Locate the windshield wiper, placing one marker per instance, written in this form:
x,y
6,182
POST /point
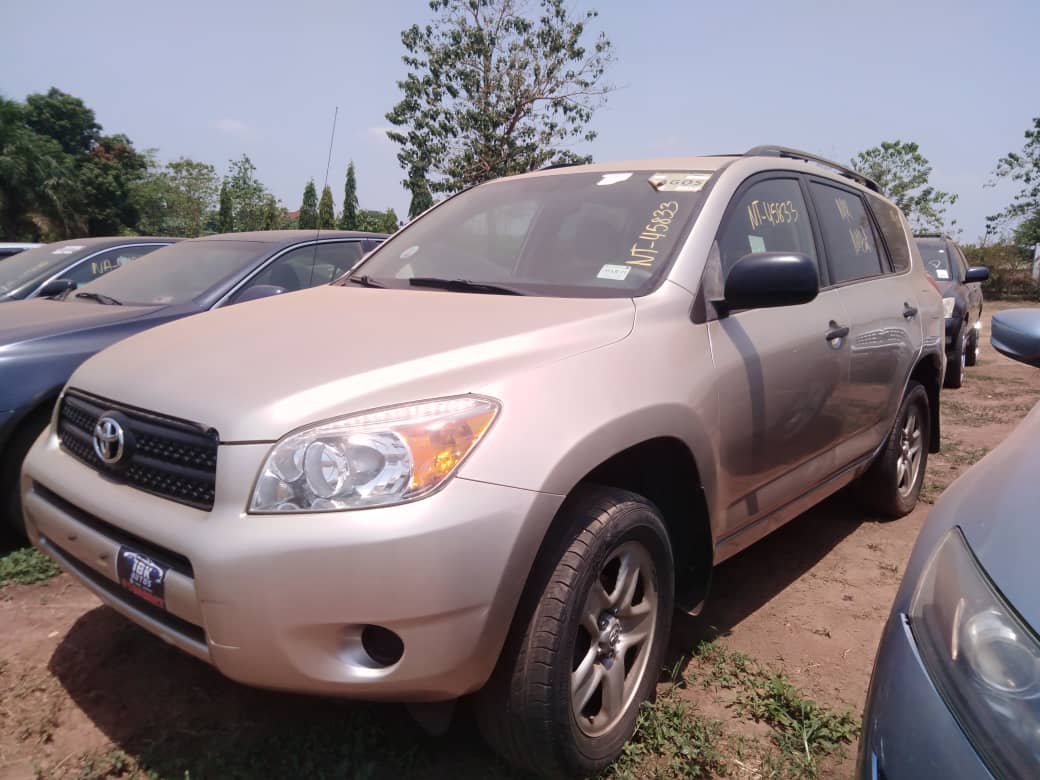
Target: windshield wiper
x,y
461,285
365,281
105,299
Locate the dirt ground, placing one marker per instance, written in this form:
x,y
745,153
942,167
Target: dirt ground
x,y
84,693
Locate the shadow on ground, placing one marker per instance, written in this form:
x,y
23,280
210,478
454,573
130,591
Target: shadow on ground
x,y
750,579
175,715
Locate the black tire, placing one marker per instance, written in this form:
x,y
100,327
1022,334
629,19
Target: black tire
x,y
11,468
971,350
955,360
881,487
526,711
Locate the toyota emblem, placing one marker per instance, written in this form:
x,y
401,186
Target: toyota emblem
x,y
108,440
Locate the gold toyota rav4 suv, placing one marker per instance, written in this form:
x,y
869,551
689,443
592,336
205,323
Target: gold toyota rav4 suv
x,y
497,455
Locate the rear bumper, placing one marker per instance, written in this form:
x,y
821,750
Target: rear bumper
x,y
280,601
908,731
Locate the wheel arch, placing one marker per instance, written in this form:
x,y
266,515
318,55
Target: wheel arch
x,y
929,373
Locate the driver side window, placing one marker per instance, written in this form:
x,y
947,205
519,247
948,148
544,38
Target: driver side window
x,y
769,216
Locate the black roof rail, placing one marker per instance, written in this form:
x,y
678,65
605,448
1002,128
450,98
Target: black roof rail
x,y
930,235
794,154
551,166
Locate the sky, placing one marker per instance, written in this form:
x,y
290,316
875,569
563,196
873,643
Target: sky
x,y
213,80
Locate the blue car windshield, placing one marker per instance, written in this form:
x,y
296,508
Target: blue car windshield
x,y
178,273
35,266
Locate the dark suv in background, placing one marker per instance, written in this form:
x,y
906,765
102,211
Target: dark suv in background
x,y
960,285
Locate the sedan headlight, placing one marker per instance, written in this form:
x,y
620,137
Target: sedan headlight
x,y
982,658
372,459
948,304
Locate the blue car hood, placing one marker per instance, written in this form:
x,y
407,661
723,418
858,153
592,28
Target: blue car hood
x,y
997,506
39,318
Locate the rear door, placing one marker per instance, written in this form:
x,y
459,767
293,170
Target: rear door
x,y
778,373
880,302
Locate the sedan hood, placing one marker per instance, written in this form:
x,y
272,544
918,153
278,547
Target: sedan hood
x,y
995,505
259,370
40,318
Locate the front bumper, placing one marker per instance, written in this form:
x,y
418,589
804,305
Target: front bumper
x,y
908,731
7,421
278,601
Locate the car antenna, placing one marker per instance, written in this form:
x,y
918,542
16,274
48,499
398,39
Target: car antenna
x,y
325,184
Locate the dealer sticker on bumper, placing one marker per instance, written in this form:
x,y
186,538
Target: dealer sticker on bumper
x,y
142,576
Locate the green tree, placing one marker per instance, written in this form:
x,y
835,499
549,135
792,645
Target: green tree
x,y
371,221
39,182
903,173
348,220
422,198
309,207
326,210
193,187
492,90
247,194
274,215
226,218
64,118
390,223
1024,211
108,179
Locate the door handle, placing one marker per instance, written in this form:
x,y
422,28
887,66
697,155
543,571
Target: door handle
x,y
909,311
836,331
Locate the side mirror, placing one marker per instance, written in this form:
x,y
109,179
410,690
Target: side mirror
x,y
56,287
258,292
765,279
1016,333
977,273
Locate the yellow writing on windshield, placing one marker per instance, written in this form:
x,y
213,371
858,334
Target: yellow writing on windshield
x,y
644,251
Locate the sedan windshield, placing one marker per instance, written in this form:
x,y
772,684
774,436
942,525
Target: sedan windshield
x,y
936,259
575,234
36,265
179,273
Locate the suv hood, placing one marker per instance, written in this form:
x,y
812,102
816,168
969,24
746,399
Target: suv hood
x,y
40,318
257,371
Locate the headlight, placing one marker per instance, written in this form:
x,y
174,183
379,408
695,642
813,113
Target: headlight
x,y
981,656
372,459
948,304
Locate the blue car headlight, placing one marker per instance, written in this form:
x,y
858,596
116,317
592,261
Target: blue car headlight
x,y
981,656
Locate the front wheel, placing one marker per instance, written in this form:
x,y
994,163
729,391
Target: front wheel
x,y
589,639
957,359
893,482
971,349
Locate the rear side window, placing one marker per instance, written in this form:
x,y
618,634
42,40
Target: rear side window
x,y
847,233
891,224
769,216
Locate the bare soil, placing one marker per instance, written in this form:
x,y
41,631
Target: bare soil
x,y
83,692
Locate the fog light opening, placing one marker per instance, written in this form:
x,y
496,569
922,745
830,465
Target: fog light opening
x,y
382,645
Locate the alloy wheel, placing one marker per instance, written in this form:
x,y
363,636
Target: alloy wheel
x,y
909,462
615,639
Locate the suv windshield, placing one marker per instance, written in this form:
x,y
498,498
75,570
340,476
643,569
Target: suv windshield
x,y
936,259
567,235
178,273
35,265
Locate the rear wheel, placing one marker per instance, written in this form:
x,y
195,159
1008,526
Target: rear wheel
x,y
11,468
893,482
588,640
956,360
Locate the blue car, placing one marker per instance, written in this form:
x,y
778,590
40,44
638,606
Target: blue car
x,y
956,686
